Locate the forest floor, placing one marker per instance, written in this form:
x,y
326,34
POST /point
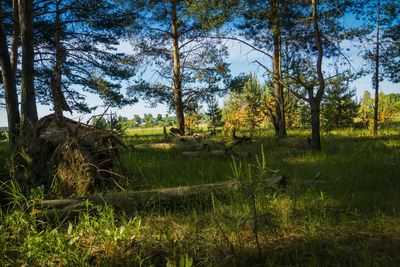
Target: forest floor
x,y
341,208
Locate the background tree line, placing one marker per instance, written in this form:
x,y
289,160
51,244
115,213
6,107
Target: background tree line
x,y
340,109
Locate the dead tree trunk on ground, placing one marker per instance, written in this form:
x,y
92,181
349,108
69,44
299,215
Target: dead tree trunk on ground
x,y
143,200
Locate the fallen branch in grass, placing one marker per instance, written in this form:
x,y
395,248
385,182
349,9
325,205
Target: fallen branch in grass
x,y
143,200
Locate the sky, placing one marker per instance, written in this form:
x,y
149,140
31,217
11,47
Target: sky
x,y
241,61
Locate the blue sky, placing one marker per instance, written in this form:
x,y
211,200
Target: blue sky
x,y
241,61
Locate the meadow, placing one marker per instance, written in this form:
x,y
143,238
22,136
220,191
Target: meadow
x,y
340,208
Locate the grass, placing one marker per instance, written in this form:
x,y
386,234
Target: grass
x,y
351,219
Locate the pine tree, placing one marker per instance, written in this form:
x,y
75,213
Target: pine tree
x,y
76,52
339,108
268,24
391,54
172,38
214,114
318,37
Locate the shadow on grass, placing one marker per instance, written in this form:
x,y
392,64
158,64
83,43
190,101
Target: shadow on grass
x,y
354,250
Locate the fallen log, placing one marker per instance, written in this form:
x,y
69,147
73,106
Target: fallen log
x,y
143,200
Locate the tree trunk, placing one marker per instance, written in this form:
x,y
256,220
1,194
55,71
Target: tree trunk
x,y
9,84
59,101
16,39
29,114
315,126
180,119
277,72
315,102
376,76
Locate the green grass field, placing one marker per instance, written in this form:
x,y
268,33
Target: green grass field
x,y
349,217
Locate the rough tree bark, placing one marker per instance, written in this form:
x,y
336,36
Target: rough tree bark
x,y
177,71
376,76
59,101
9,83
280,129
29,116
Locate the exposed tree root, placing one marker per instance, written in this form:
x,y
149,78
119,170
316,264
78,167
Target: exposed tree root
x,y
70,158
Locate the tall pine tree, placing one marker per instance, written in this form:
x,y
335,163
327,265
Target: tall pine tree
x,y
186,65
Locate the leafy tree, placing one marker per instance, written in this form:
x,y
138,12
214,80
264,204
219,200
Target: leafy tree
x,y
168,120
137,120
192,121
233,112
148,120
366,110
339,108
389,106
242,109
159,119
188,65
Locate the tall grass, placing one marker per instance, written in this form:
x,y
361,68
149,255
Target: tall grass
x,y
341,208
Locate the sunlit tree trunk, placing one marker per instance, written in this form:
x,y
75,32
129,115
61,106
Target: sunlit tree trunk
x,y
177,70
9,83
280,130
